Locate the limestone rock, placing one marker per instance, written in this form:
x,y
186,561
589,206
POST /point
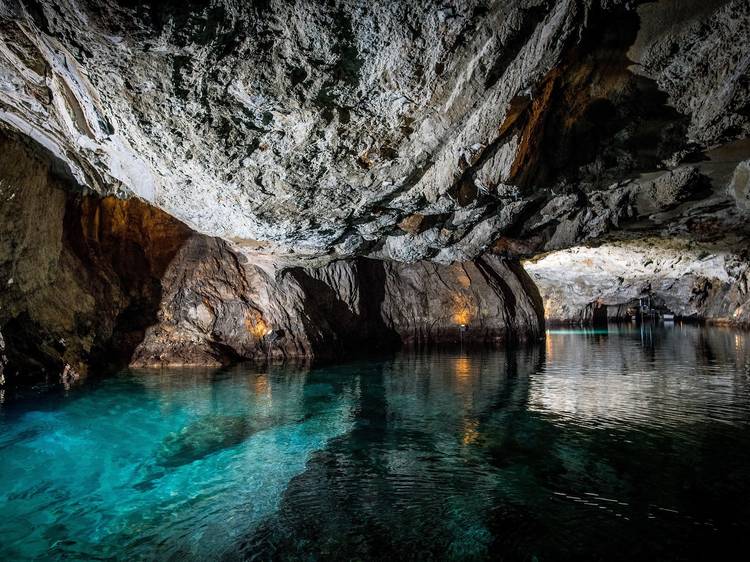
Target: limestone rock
x,y
693,280
200,183
310,131
682,46
93,283
80,274
345,306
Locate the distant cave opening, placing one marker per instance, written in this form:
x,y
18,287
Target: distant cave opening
x,y
645,280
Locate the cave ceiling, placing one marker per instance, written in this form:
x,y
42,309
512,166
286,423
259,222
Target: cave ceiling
x,y
311,131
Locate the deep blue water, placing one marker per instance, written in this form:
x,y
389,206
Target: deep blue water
x,y
615,445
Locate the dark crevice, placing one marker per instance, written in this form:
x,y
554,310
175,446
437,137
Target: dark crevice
x,y
83,279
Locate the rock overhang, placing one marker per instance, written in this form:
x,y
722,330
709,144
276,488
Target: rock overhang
x,y
309,132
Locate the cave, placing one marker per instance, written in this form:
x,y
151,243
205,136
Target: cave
x,y
369,280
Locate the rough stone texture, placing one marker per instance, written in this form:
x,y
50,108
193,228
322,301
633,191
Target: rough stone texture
x,y
693,280
313,130
362,165
79,274
649,235
702,202
102,282
739,187
217,307
686,47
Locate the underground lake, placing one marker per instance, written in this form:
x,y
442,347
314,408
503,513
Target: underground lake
x,y
625,443
374,280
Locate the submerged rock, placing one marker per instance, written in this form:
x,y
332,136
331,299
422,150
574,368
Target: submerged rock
x,y
203,437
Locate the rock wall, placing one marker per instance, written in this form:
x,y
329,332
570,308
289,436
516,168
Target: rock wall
x,y
372,170
395,129
703,281
218,307
80,274
93,282
680,236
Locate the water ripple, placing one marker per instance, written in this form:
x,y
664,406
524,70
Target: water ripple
x,y
613,445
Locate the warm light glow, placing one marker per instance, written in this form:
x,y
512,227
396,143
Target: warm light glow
x,y
739,345
462,367
547,308
471,433
464,309
256,325
262,386
549,347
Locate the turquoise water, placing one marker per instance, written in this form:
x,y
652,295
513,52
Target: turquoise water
x,y
609,445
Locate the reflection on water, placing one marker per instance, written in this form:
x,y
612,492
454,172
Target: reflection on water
x,y
620,444
643,375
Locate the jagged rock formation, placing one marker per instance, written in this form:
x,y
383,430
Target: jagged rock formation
x,y
217,306
103,282
336,171
399,130
680,236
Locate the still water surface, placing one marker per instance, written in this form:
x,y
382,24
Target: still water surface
x,y
615,445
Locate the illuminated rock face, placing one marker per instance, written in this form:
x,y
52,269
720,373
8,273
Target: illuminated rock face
x,y
215,302
300,178
94,283
314,131
692,280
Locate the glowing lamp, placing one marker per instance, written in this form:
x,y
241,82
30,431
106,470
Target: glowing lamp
x,y
464,309
255,324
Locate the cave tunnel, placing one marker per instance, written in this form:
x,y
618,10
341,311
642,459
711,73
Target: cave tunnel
x,y
379,280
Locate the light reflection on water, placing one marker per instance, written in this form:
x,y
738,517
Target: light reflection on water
x,y
662,376
616,444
